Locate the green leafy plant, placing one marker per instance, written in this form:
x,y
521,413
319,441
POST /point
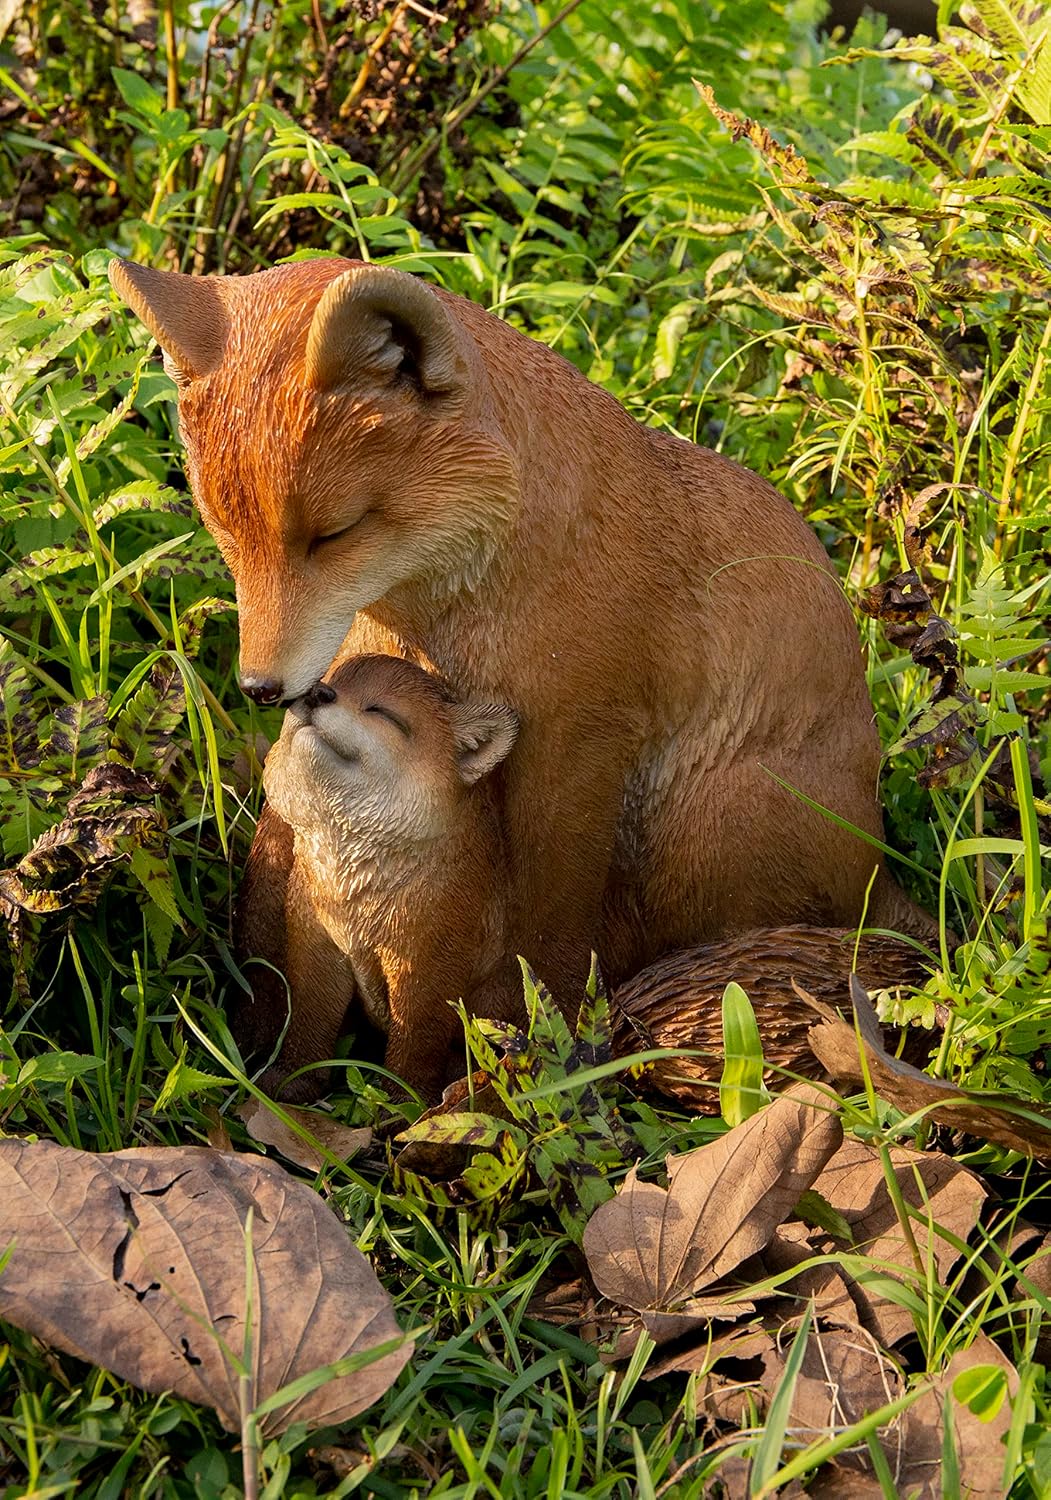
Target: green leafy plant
x,y
559,1124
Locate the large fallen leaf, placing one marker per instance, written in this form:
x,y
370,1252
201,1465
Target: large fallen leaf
x,y
650,1248
844,1376
269,1129
1002,1119
979,1442
136,1261
946,1200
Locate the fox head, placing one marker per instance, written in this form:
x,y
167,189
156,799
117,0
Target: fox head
x,y
341,444
382,758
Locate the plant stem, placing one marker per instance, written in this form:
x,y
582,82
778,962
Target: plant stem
x,y
1014,445
372,52
171,53
249,1442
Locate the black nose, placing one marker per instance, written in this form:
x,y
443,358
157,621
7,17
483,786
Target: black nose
x,y
262,689
320,693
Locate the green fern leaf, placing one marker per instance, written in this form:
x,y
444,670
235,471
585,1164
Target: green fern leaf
x,y
146,725
79,738
19,735
1006,23
17,584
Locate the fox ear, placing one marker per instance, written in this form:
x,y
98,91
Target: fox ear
x,y
373,323
184,313
484,734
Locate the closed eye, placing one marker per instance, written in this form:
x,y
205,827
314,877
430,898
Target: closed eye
x,y
386,713
337,536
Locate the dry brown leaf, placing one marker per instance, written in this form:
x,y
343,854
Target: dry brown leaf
x,y
1034,1286
1006,1246
995,1118
733,1481
563,1303
836,1483
844,1376
217,1135
267,1127
443,1161
694,1318
949,1199
135,1260
650,1248
979,1444
822,1284
731,1349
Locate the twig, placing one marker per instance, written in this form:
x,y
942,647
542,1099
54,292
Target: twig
x,y
319,24
374,49
210,43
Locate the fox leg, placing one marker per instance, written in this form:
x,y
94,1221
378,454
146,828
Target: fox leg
x,y
275,920
419,1052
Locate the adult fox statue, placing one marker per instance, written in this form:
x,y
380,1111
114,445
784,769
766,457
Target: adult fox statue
x,y
379,457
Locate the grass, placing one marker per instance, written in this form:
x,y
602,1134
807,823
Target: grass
x,y
860,329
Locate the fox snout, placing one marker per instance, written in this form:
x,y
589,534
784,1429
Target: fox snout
x,y
317,695
263,690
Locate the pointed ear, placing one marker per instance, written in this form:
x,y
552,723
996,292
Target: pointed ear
x,y
184,313
484,734
373,324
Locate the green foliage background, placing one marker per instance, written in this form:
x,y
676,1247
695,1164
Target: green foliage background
x,y
850,296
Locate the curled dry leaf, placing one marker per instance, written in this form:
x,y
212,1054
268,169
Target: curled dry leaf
x,y
432,1150
651,1248
1005,1120
1034,1286
724,1358
836,1482
267,1127
946,1200
136,1261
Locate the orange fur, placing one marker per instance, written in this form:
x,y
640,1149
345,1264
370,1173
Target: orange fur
x,y
669,629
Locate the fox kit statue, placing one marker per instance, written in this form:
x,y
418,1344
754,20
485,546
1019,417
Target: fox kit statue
x,y
388,468
398,868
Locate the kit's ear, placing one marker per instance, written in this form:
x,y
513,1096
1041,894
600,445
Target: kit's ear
x,y
484,733
374,324
185,314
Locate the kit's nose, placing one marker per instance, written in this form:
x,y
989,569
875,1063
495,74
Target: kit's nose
x,y
262,690
320,693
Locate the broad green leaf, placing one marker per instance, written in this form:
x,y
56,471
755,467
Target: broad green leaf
x,y
56,1067
137,93
982,1390
741,1090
